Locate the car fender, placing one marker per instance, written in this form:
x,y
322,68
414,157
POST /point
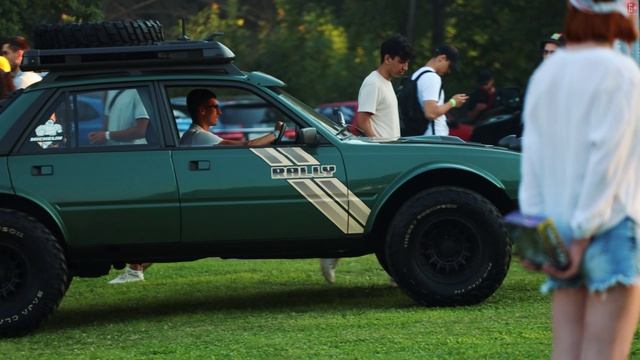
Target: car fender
x,y
38,207
421,170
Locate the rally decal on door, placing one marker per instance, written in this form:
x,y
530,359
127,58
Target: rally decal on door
x,y
316,183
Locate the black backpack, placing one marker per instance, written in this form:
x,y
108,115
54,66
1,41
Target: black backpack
x,y
412,119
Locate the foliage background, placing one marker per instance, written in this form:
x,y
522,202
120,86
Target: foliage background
x,y
324,48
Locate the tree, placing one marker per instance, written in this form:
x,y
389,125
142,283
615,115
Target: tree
x,y
20,17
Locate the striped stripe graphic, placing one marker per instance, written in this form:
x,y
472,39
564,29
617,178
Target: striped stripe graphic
x,y
343,195
299,156
272,157
327,206
329,195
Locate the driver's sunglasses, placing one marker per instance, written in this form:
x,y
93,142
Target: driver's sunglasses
x,y
548,52
214,106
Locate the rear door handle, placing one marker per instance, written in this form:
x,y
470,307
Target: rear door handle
x,y
42,170
199,165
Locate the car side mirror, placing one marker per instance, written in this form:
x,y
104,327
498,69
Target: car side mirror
x,y
309,136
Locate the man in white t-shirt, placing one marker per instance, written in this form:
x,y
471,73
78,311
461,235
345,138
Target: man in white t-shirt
x,y
204,109
431,93
13,49
126,119
377,103
378,115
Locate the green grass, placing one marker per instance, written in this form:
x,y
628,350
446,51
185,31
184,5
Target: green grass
x,y
273,309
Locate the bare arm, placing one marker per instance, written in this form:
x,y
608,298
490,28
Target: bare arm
x,y
432,110
480,107
363,122
136,132
261,141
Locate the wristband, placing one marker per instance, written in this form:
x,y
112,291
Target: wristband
x,y
453,102
107,135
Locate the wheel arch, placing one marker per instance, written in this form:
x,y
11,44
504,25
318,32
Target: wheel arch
x,y
42,213
488,187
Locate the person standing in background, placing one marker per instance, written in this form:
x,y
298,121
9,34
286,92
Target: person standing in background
x,y
378,115
14,49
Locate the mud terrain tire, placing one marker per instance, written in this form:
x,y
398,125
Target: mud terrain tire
x,y
447,246
102,34
33,273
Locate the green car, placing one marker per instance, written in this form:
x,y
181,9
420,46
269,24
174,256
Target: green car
x,y
430,208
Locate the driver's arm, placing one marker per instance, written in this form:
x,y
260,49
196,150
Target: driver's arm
x,y
261,141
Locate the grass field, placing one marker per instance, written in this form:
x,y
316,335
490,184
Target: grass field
x,y
274,309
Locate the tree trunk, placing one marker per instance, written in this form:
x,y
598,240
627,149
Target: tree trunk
x,y
437,35
411,21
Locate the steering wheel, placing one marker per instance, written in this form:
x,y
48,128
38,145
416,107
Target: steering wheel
x,y
279,138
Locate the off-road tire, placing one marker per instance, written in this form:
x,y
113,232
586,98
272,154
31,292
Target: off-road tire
x,y
33,273
102,34
448,246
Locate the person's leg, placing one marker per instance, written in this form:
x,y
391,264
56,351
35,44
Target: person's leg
x,y
328,269
568,317
610,323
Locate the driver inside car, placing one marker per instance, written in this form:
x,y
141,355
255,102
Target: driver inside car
x,y
204,109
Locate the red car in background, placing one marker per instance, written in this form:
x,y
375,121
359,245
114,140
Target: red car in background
x,y
348,108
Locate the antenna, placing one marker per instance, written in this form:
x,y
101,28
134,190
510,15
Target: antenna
x,y
184,36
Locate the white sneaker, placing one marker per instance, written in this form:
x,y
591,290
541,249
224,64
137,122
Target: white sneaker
x,y
328,268
129,275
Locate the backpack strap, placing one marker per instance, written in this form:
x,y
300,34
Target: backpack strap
x,y
432,123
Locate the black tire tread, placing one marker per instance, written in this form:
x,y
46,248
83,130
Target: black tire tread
x,y
102,34
56,290
494,278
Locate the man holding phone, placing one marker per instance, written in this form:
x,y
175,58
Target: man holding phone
x,y
430,90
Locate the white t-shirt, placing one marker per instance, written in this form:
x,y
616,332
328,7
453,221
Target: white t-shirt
x,y
376,96
581,142
22,79
123,112
430,88
197,136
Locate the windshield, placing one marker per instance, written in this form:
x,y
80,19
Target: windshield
x,y
307,110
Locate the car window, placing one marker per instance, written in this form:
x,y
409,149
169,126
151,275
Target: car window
x,y
103,118
243,114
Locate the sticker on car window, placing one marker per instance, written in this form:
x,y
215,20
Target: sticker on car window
x,y
48,134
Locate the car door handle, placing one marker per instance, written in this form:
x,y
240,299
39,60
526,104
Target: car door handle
x,y
42,170
199,165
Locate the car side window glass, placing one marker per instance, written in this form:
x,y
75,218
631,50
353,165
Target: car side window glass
x,y
242,114
103,118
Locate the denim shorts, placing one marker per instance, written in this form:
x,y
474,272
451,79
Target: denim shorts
x,y
611,258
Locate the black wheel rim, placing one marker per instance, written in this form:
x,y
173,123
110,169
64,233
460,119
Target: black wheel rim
x,y
13,273
448,248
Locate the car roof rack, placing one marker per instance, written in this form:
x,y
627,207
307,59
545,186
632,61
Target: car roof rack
x,y
161,54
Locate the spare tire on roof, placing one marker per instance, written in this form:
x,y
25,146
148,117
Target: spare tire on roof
x,y
102,34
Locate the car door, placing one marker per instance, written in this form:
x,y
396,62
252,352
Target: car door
x,y
117,191
240,193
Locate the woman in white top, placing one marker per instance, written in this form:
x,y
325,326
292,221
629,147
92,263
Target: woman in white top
x,y
581,167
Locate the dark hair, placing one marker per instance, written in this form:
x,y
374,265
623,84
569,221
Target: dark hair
x,y
555,38
17,43
581,27
450,52
6,84
484,76
197,98
397,45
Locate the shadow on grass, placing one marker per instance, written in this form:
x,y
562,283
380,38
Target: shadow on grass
x,y
334,299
